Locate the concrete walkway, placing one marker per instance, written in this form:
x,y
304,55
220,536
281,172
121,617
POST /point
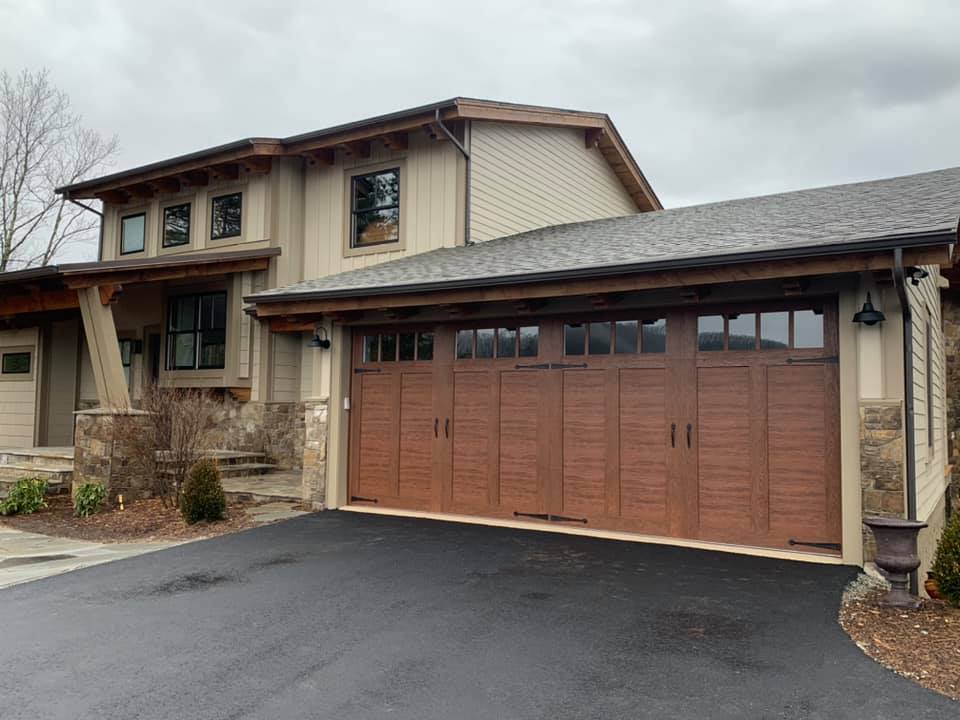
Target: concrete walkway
x,y
26,556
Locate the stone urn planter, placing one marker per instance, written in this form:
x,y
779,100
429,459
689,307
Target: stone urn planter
x,y
897,556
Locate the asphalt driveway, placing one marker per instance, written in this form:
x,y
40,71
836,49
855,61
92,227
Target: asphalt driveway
x,y
345,616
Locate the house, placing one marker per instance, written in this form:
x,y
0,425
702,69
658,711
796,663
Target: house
x,y
480,311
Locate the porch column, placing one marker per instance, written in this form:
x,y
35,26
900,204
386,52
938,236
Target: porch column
x,y
101,333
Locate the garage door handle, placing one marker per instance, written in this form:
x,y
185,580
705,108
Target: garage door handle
x,y
673,434
446,428
689,430
436,425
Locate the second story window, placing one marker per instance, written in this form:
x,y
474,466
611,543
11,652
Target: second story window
x,y
176,225
375,208
132,233
197,331
225,215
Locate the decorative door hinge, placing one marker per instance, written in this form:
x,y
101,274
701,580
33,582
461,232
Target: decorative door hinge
x,y
566,366
357,498
361,371
823,545
537,516
831,360
534,366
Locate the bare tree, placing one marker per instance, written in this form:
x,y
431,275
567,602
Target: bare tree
x,y
43,145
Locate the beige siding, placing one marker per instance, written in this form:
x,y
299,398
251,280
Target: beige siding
x,y
931,460
286,367
526,177
60,359
18,397
431,183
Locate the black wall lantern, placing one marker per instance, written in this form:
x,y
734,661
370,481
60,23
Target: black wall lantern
x,y
320,339
868,314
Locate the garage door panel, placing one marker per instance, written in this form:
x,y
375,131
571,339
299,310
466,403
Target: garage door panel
x,y
585,434
796,404
725,481
520,456
416,435
643,447
474,427
378,440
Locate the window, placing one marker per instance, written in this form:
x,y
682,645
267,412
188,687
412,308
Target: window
x,y
225,213
929,380
375,208
196,331
132,233
620,337
503,342
394,347
176,225
16,363
776,330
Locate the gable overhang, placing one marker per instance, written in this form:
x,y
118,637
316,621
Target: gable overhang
x,y
296,309
255,155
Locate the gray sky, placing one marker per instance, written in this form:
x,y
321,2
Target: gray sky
x,y
715,99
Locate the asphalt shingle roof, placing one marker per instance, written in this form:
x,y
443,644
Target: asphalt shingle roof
x,y
820,219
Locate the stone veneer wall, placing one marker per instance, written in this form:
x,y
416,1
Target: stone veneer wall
x,y
273,428
315,454
881,464
101,456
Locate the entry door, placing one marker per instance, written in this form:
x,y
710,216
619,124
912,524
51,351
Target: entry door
x,y
394,430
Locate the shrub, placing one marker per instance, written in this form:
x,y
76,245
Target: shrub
x,y
88,499
26,496
946,562
203,497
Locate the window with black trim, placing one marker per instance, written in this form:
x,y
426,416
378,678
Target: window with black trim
x,y
16,363
225,216
769,330
133,233
176,225
196,331
375,208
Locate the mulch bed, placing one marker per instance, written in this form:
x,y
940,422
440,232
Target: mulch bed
x,y
923,644
139,521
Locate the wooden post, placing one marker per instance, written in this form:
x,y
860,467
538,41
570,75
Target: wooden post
x,y
104,347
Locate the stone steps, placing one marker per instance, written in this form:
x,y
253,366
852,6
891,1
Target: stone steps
x,y
60,458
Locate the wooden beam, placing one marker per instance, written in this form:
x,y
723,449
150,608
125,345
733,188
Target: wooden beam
x,y
196,178
359,149
113,197
321,156
225,171
591,137
166,185
606,300
733,273
396,141
240,394
109,293
290,325
96,277
257,165
38,302
142,191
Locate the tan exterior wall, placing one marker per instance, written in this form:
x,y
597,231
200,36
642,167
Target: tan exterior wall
x,y
18,394
526,177
927,542
59,389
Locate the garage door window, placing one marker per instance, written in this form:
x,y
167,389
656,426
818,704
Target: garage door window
x,y
503,342
620,337
777,330
397,347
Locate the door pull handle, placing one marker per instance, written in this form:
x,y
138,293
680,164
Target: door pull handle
x,y
673,434
446,428
436,425
689,429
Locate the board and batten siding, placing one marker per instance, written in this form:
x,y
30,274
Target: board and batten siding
x,y
526,177
931,457
18,397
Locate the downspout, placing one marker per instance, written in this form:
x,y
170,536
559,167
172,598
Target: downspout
x,y
100,215
900,282
466,183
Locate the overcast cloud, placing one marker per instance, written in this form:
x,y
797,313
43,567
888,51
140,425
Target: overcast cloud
x,y
715,99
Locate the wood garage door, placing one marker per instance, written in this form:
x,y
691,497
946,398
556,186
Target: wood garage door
x,y
715,425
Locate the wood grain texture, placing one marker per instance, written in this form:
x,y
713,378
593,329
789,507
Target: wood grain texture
x,y
416,435
520,462
643,447
585,424
377,437
473,428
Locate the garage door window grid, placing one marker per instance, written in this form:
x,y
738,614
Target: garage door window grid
x,y
618,337
502,342
398,347
777,330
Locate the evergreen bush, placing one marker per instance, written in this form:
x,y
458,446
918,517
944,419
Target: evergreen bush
x,y
203,497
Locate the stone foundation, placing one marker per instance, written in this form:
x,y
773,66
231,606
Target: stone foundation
x,y
275,429
100,455
881,464
315,454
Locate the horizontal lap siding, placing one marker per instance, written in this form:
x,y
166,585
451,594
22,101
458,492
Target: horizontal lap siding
x,y
18,398
930,461
526,177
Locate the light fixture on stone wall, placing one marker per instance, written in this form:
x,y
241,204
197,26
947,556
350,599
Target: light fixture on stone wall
x,y
868,314
320,339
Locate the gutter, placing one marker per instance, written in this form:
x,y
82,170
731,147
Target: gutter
x,y
889,242
466,183
100,233
909,429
